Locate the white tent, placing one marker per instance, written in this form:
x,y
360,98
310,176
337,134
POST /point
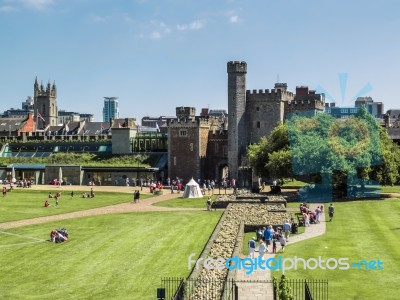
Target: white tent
x,y
192,190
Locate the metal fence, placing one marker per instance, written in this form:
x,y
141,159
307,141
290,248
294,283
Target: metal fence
x,y
173,288
305,289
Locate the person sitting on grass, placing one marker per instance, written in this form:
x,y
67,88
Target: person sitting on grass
x,y
53,235
50,195
46,204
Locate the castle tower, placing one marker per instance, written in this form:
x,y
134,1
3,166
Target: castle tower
x,y
237,136
45,103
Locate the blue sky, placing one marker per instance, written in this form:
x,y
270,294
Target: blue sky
x,y
155,55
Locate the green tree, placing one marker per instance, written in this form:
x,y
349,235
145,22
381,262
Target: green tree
x,y
340,151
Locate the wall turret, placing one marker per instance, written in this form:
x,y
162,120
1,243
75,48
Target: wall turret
x,y
45,103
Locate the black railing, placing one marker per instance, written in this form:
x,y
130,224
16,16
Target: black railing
x,y
215,289
305,289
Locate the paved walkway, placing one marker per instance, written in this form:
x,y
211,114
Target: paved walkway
x,y
143,205
261,290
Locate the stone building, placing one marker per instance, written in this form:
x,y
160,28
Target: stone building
x,y
197,145
253,114
45,103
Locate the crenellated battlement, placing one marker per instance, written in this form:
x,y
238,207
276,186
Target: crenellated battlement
x,y
273,93
303,102
237,67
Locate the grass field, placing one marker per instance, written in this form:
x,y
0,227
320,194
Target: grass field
x,y
361,230
186,203
390,189
118,256
24,204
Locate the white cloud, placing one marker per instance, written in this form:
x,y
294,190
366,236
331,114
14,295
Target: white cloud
x,y
37,4
181,27
155,35
7,8
233,16
159,30
234,19
195,25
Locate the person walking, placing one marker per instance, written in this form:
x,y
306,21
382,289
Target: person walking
x,y
252,247
331,211
286,228
267,237
261,249
209,204
283,243
317,214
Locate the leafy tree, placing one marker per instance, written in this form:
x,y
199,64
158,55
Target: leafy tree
x,y
262,158
283,290
341,151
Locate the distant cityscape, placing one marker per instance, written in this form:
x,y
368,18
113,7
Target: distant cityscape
x,y
211,144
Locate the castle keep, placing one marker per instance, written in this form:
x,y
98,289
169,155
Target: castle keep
x,y
253,114
211,147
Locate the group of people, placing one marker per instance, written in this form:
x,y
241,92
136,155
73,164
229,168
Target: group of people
x,y
309,216
155,187
59,235
267,237
24,183
50,196
86,195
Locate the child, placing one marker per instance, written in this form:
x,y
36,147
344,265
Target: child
x,y
252,247
56,200
261,249
274,244
283,243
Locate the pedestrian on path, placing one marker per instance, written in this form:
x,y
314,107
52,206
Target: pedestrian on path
x,y
331,211
252,247
286,228
261,249
283,243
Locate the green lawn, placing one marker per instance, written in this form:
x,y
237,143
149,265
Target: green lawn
x,y
25,204
295,184
186,203
390,189
117,256
360,230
